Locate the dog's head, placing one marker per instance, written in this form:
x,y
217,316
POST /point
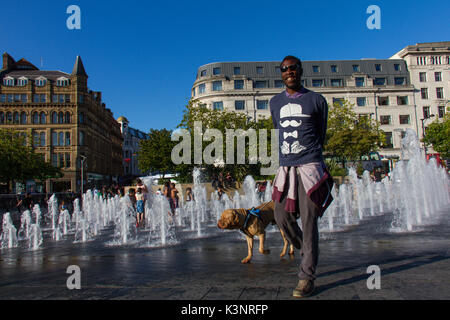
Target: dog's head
x,y
229,220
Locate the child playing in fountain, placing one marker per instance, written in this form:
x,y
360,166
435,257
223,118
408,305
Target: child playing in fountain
x,y
132,196
140,202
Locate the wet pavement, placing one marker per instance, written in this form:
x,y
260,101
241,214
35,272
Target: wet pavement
x,y
414,265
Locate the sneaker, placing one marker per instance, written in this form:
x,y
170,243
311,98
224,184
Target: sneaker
x,y
304,288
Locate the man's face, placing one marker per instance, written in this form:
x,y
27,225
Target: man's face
x,y
292,75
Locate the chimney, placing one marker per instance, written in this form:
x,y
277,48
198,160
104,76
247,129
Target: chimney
x,y
8,61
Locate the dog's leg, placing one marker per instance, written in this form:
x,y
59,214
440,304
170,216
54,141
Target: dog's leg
x,y
291,250
250,250
262,239
285,245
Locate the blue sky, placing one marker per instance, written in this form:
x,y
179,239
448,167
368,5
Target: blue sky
x,y
144,55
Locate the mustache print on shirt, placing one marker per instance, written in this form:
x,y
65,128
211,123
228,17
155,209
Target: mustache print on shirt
x,y
291,123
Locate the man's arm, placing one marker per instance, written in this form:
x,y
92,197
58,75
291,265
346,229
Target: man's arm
x,y
323,120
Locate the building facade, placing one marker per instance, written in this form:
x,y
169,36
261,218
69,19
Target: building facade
x,y
131,139
69,123
429,68
385,90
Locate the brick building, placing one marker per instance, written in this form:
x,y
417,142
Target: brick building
x,y
66,120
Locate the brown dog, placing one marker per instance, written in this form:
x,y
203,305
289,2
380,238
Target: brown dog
x,y
253,226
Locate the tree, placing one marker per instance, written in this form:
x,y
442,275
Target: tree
x,y
221,121
350,136
19,162
437,135
155,152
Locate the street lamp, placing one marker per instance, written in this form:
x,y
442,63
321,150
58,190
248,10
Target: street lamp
x,y
423,132
83,159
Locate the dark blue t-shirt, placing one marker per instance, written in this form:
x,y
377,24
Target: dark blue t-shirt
x,y
302,124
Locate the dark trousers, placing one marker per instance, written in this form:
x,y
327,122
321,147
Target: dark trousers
x,y
307,238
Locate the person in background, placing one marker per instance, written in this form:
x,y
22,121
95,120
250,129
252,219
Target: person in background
x,y
140,207
189,194
174,198
132,196
26,203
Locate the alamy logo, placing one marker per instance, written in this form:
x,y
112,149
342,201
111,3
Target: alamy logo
x,y
374,281
74,280
74,20
374,20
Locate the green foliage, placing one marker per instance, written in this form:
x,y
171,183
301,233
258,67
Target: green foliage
x,y
155,152
350,136
335,168
438,136
221,121
19,162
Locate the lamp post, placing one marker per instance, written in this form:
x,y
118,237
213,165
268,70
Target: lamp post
x,y
83,159
423,132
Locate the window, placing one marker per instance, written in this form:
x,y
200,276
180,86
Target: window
x,y
81,138
80,98
2,117
236,70
438,76
54,117
67,160
259,70
400,81
402,100
334,68
23,118
359,82
440,93
356,68
337,83
316,69
23,82
396,67
3,98
67,139
279,84
385,120
421,61
17,98
238,84
441,111
424,93
383,101
24,98
388,141
9,117
10,97
377,67
217,71
404,119
54,159
193,92
304,82
260,84
202,73
218,105
41,82
426,112
239,105
379,81
262,104
67,117
217,86
317,83
8,82
277,70
62,82
61,118
54,138
201,88
42,139
16,118
361,101
423,76
35,118
61,139
43,118
61,160
338,101
35,139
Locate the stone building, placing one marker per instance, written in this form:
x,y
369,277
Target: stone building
x,y
429,68
68,122
131,139
380,89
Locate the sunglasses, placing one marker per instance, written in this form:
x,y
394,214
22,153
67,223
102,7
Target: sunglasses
x,y
292,67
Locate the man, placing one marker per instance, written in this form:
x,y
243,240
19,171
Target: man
x,y
302,185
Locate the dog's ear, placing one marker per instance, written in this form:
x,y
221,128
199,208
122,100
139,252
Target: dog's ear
x,y
235,218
